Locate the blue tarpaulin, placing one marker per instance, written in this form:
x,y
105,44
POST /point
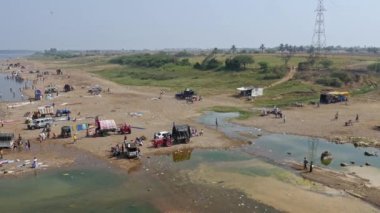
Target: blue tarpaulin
x,y
81,127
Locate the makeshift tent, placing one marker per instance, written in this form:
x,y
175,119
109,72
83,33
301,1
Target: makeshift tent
x,y
333,97
250,91
81,127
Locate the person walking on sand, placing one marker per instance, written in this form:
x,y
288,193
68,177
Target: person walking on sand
x,y
1,153
75,138
336,115
357,118
28,144
284,119
305,162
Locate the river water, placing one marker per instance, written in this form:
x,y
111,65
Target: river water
x,y
10,88
91,185
280,147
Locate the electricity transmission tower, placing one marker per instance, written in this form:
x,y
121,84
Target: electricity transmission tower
x,y
319,36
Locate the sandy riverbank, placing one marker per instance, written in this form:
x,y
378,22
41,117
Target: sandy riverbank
x,y
156,115
319,122
118,104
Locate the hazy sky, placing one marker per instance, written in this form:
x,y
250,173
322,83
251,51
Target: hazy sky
x,y
156,24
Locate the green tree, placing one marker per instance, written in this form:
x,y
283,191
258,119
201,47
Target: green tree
x,y
244,60
233,49
264,66
286,57
238,62
326,63
374,67
282,48
214,51
262,48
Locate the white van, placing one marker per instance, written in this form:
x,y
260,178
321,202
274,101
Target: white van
x,y
40,123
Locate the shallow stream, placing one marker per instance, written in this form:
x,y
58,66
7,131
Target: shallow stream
x,y
279,147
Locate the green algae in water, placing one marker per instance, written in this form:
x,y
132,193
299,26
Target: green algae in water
x,y
94,191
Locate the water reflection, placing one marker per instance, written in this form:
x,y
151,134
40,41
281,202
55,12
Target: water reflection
x,y
182,155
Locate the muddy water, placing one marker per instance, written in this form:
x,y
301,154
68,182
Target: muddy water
x,y
94,185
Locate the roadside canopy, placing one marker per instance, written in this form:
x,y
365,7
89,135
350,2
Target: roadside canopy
x,y
339,93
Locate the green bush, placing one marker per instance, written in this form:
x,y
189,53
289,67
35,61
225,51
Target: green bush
x,y
272,76
331,82
342,76
374,67
326,63
303,66
263,66
145,60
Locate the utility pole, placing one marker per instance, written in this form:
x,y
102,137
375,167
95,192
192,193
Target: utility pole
x,y
319,36
313,148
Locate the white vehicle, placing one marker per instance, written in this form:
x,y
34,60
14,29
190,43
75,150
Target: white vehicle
x,y
6,140
40,123
159,135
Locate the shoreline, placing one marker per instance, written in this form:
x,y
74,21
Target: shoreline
x,y
157,115
332,139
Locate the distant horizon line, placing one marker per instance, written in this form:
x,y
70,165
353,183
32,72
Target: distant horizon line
x,y
163,49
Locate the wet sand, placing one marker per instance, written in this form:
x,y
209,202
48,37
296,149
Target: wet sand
x,y
286,191
320,122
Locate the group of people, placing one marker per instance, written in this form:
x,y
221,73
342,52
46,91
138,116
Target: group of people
x,y
194,132
349,122
19,143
